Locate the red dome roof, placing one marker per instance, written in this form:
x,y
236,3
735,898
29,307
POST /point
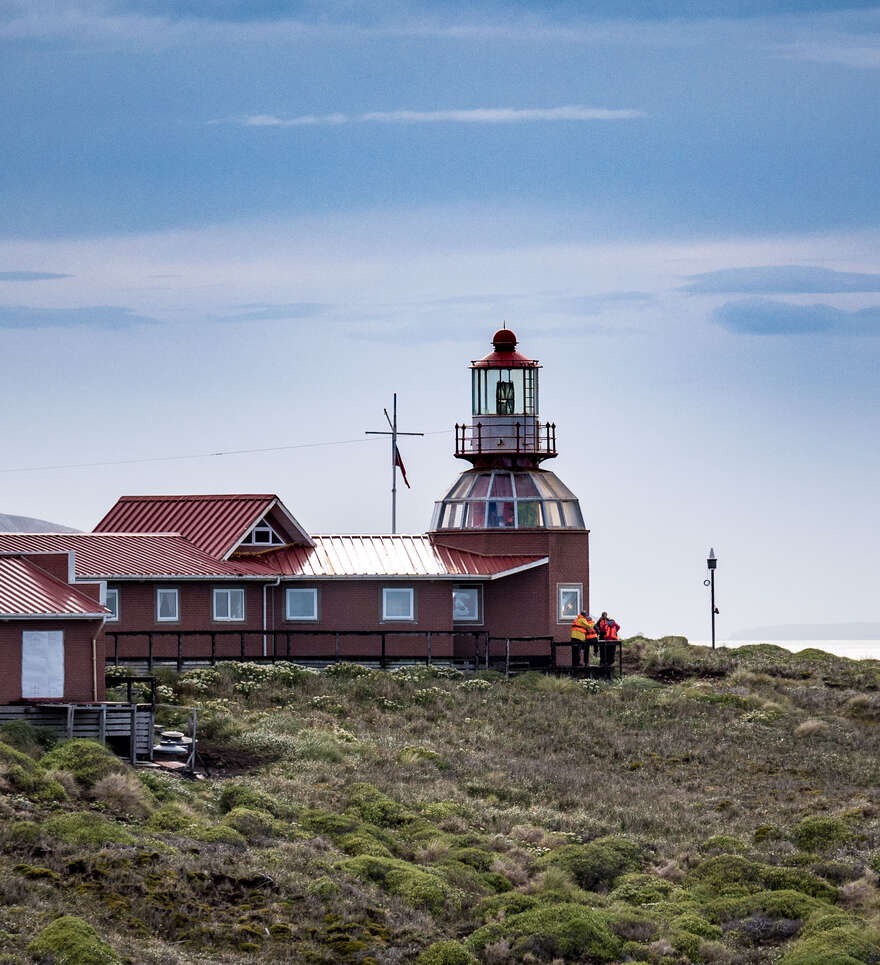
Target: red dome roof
x,y
504,340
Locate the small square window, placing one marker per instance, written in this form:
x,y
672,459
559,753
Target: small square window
x,y
301,603
398,603
112,604
568,601
229,604
167,604
466,604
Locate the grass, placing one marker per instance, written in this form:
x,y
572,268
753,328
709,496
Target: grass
x,y
714,807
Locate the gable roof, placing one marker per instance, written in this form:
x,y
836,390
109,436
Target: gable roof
x,y
28,591
390,556
130,555
216,524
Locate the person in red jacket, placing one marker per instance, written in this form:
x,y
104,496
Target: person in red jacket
x,y
608,635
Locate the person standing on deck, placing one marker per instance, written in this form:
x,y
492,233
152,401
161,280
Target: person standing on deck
x,y
583,635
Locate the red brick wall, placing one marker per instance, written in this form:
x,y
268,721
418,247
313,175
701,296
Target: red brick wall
x,y
78,679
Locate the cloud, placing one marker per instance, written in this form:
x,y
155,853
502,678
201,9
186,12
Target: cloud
x,y
789,279
272,313
856,54
479,115
30,275
763,316
97,316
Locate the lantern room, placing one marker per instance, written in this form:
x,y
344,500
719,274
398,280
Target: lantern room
x,y
505,428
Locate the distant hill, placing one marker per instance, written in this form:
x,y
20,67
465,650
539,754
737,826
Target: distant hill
x,y
811,631
27,524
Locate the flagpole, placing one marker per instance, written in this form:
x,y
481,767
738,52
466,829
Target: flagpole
x,y
395,455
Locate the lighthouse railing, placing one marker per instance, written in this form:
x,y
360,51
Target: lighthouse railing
x,y
506,435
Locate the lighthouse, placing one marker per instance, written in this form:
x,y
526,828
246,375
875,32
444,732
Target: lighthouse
x,y
507,503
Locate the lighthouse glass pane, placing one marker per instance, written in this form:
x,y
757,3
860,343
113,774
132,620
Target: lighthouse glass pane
x,y
501,485
481,487
529,514
460,489
504,398
554,514
500,514
525,486
476,517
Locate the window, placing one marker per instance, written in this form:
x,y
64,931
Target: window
x,y
262,535
229,604
166,604
42,663
112,604
568,601
398,603
467,604
301,603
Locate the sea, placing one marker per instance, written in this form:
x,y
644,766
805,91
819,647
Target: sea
x,y
854,649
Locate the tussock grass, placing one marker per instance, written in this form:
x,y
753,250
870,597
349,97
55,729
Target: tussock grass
x,y
712,807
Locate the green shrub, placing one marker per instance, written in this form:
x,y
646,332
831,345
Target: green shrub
x,y
836,946
640,889
375,807
347,671
562,930
695,925
723,844
26,738
21,773
86,828
251,822
821,834
730,875
417,886
242,796
789,904
72,941
446,953
597,864
87,760
217,834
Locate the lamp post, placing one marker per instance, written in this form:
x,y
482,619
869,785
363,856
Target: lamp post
x,y
711,563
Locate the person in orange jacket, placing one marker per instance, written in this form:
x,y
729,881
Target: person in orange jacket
x,y
583,634
608,629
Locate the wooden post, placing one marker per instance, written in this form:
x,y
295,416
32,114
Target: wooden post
x,y
382,660
179,654
428,651
102,724
150,651
619,646
337,646
70,712
288,644
507,657
134,733
487,651
241,641
115,649
213,649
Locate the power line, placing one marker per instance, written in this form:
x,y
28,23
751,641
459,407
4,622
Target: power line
x,y
201,455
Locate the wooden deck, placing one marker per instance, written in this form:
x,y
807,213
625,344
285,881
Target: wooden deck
x,y
113,722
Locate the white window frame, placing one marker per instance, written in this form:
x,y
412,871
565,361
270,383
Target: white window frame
x,y
298,618
478,589
411,616
564,588
114,616
263,527
162,590
219,592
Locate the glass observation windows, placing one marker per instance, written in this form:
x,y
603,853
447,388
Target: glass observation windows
x,y
467,604
301,603
112,604
500,499
568,601
229,604
167,604
505,391
398,603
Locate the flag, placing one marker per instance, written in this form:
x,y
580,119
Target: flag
x,y
399,463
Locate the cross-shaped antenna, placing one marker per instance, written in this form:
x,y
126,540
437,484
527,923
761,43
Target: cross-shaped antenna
x,y
396,461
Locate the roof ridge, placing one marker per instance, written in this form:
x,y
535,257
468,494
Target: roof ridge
x,y
192,497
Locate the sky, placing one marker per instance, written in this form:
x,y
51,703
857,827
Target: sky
x,y
234,225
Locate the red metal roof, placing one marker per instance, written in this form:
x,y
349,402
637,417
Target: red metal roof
x,y
505,354
108,555
26,590
214,523
389,556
